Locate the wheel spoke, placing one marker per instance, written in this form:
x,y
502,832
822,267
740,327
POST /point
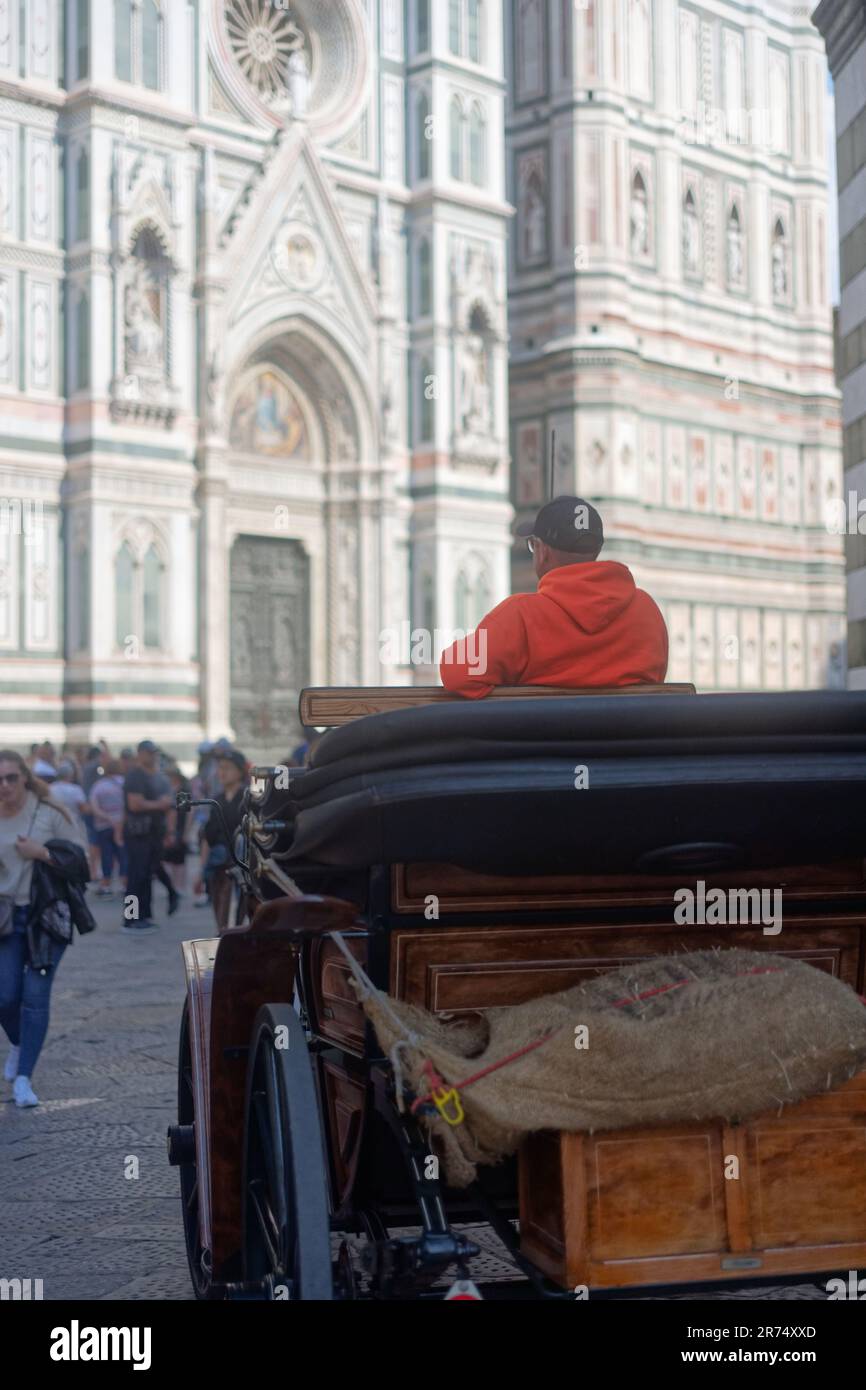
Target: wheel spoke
x,y
278,1191
265,1143
266,1225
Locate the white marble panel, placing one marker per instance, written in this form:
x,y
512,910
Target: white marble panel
x,y
676,471
41,35
750,649
40,186
40,334
10,540
723,482
769,486
41,586
8,34
746,478
774,656
7,328
704,651
8,180
728,654
679,621
795,652
651,464
791,489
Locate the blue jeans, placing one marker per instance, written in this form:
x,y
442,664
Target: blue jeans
x,y
24,994
110,852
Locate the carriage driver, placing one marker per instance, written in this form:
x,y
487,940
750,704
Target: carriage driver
x,y
587,624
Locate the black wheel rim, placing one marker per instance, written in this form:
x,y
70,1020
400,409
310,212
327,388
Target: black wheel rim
x,y
189,1193
271,1247
286,1237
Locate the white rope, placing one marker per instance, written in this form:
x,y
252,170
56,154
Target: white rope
x,y
366,989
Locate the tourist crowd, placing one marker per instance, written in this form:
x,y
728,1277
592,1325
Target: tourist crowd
x,y
125,807
85,817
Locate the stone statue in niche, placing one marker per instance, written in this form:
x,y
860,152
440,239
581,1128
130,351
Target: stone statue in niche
x,y
735,250
691,238
534,220
780,268
143,329
639,220
475,387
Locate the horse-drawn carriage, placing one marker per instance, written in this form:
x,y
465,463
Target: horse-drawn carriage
x,y
467,856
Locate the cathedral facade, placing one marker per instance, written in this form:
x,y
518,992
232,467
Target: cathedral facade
x,y
670,320
263,264
253,358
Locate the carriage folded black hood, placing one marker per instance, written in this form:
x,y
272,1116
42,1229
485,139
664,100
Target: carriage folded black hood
x,y
591,784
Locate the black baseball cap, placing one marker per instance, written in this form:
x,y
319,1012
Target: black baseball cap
x,y
226,754
567,523
147,745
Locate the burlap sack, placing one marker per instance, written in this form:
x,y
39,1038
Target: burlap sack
x,y
717,1034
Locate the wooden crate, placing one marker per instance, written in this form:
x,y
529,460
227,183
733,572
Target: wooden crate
x,y
653,1206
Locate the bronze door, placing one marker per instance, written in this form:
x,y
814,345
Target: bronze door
x,y
269,643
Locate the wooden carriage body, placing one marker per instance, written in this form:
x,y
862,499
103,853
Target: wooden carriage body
x,y
745,792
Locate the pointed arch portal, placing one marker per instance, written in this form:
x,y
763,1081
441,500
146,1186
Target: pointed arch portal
x,y
291,417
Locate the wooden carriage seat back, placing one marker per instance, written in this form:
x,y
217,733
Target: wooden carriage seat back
x,y
327,706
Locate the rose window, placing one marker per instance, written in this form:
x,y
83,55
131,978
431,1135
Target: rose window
x,y
264,40
295,60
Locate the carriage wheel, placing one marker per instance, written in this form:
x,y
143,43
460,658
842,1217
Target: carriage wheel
x,y
286,1228
181,1152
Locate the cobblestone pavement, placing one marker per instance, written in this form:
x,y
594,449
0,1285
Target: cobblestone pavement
x,y
107,1082
69,1214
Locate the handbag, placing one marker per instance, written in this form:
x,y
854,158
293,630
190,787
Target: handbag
x,y
7,904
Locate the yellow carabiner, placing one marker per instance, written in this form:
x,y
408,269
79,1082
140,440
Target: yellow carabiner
x,y
443,1098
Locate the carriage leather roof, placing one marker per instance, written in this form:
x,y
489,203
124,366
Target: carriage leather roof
x,y
760,778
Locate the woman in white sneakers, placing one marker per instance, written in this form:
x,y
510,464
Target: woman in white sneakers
x,y
28,820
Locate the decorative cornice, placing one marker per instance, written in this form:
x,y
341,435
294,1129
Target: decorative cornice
x,y
93,262
121,102
21,94
16,253
843,26
141,413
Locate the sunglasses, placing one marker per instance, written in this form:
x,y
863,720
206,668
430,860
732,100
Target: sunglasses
x,y
10,777
530,545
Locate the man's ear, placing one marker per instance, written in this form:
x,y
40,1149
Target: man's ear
x,y
542,556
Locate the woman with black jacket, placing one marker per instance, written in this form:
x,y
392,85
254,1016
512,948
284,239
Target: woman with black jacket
x,y
43,870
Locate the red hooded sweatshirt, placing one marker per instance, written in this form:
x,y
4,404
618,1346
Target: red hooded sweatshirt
x,y
588,625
